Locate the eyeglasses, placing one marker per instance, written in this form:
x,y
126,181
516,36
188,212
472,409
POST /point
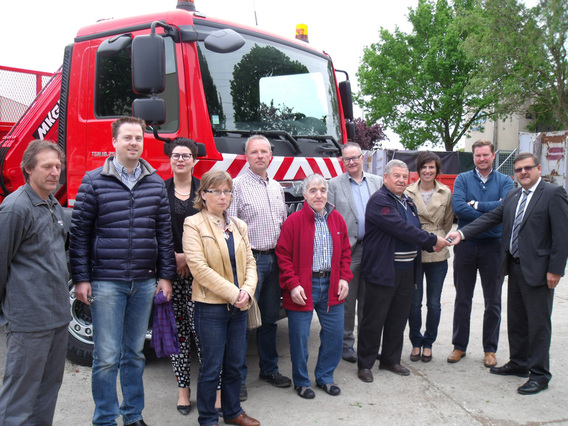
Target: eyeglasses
x,y
185,156
350,159
526,169
218,193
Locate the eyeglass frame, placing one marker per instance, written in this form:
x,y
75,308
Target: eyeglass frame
x,y
351,159
186,156
218,192
526,169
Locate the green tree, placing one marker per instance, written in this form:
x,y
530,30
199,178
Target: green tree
x,y
523,57
418,84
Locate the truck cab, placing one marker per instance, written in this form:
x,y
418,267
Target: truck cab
x,y
192,76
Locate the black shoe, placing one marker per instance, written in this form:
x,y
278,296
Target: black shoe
x,y
184,409
395,368
276,379
415,357
138,423
305,392
331,389
365,375
243,394
349,355
509,369
531,387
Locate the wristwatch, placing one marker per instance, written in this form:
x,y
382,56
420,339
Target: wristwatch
x,y
473,204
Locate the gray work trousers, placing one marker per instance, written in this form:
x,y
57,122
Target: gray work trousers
x,y
35,363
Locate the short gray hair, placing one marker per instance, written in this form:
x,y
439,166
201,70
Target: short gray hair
x,y
314,179
394,163
352,145
262,138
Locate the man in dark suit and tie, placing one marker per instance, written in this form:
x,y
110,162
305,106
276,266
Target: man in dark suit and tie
x,y
349,194
534,252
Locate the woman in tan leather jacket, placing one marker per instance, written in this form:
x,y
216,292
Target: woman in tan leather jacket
x,y
434,203
220,259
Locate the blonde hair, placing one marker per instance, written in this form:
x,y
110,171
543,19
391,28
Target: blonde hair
x,y
209,180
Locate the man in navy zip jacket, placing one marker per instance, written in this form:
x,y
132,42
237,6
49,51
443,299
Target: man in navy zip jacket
x,y
390,266
476,192
121,244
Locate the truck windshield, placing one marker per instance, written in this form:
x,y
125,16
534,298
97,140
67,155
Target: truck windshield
x,y
267,86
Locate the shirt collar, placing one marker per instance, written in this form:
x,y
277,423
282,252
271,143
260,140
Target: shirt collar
x,y
257,177
123,170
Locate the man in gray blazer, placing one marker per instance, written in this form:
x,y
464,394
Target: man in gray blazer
x,y
349,193
534,250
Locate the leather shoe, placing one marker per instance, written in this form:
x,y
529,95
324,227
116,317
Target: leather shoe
x,y
138,423
184,409
509,369
243,420
365,374
349,355
531,387
490,359
395,368
415,357
455,356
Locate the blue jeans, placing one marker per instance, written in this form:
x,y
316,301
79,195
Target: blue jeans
x,y
435,273
268,295
121,311
221,331
331,337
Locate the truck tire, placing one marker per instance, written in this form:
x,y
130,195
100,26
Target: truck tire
x,y
80,345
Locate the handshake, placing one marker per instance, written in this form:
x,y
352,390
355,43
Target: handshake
x,y
451,239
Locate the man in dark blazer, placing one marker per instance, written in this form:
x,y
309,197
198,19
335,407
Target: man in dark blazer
x,y
349,193
534,249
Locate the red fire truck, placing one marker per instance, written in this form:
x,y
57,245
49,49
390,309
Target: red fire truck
x,y
187,75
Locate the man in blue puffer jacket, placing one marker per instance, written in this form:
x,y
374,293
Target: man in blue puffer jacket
x,y
121,244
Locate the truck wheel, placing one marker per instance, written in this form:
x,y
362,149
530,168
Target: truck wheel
x,y
80,345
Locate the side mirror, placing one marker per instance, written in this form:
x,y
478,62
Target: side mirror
x,y
350,127
148,64
346,99
151,110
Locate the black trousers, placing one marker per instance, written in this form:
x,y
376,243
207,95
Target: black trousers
x,y
385,313
468,259
529,324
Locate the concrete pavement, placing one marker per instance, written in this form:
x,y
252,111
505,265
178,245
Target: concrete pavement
x,y
436,393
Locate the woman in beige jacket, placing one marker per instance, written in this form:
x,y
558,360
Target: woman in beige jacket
x,y
434,203
220,259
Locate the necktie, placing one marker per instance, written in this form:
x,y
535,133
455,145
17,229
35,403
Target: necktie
x,y
517,224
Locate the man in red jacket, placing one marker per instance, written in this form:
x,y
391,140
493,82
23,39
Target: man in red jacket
x,y
314,256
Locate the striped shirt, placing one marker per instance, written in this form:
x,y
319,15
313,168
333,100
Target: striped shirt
x,y
261,204
323,245
128,179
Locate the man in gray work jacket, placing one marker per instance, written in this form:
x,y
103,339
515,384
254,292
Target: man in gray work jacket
x,y
33,290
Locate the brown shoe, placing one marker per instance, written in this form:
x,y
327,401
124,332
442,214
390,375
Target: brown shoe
x,y
490,359
365,374
456,355
243,420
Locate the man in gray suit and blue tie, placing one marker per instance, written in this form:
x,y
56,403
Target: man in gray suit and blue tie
x,y
534,249
349,193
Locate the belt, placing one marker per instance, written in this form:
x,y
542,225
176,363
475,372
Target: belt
x,y
321,274
271,251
